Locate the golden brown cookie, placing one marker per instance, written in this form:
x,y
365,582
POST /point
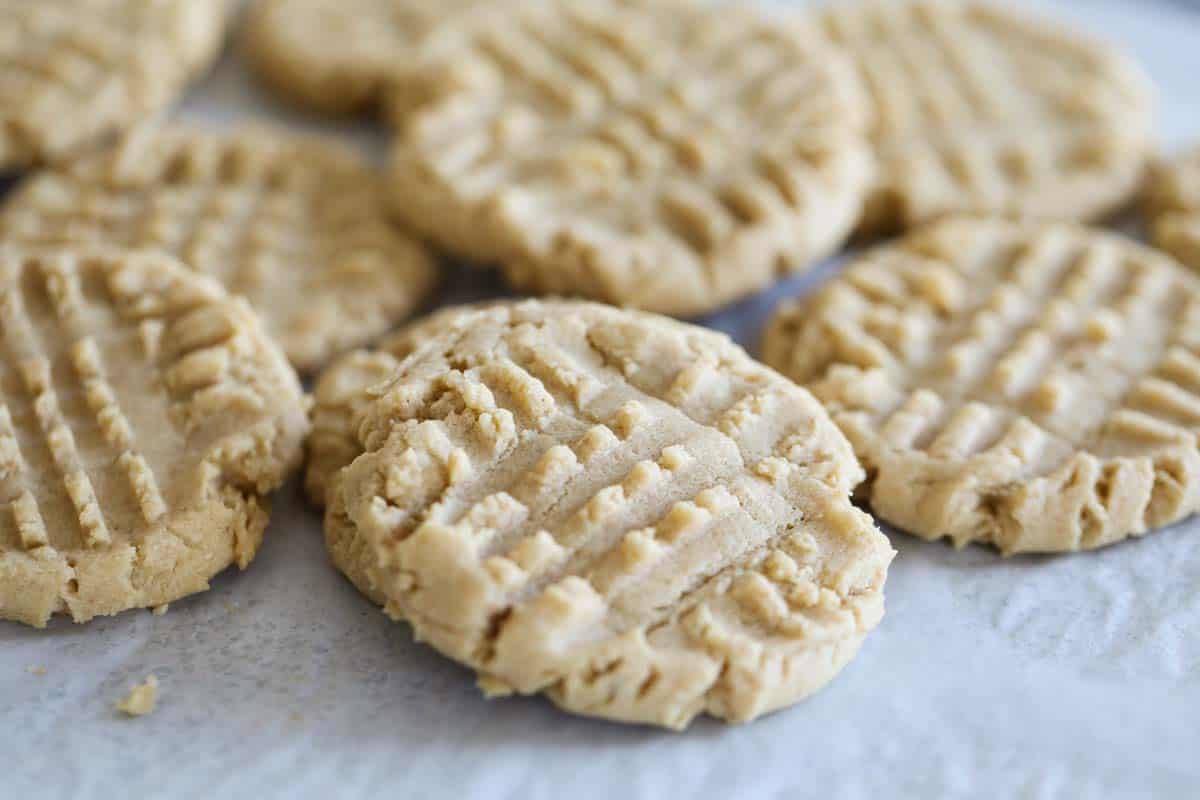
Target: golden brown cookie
x,y
297,226
617,509
144,419
76,71
666,156
982,109
1031,386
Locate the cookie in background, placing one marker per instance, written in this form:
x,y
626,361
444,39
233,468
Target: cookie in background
x,y
297,225
79,71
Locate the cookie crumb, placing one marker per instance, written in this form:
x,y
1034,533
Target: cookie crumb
x,y
141,699
158,611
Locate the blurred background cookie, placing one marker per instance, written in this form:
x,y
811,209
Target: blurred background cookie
x,y
76,71
298,226
982,109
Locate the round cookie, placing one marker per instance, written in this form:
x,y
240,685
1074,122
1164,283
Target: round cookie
x,y
76,71
665,156
983,110
297,226
1173,206
144,418
1031,386
622,511
343,56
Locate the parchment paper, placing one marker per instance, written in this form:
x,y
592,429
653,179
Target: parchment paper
x,y
1071,677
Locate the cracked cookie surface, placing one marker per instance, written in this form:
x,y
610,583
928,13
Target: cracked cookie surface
x,y
296,225
619,510
1031,386
660,155
341,394
144,419
985,110
76,71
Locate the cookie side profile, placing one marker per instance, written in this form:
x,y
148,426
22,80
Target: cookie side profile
x,y
665,156
979,109
622,511
341,56
77,71
1172,205
144,419
1031,386
298,226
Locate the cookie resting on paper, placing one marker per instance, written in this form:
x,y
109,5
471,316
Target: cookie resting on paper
x,y
619,510
1031,386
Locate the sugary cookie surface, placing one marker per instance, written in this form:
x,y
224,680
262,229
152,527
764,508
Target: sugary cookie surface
x,y
1173,205
982,109
622,511
1036,387
76,71
144,416
297,226
661,155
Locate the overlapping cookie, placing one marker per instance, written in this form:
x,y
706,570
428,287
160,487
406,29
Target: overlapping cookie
x,y
617,509
982,109
342,56
144,419
77,71
1173,206
663,155
296,225
1031,386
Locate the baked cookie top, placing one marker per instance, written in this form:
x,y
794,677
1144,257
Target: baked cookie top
x,y
662,155
345,389
298,226
981,109
1031,386
76,71
342,393
344,56
144,416
623,511
1172,203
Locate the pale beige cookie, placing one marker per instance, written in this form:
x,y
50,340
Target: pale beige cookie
x,y
1031,386
75,71
662,155
341,394
1172,200
979,109
343,56
144,418
617,509
297,226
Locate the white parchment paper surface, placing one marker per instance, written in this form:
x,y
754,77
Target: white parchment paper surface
x,y
1072,677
